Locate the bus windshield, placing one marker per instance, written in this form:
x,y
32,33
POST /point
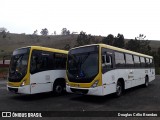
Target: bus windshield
x,y
18,64
82,66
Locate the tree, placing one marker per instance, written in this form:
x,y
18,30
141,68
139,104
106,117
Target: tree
x,y
144,44
108,40
133,45
145,47
158,51
68,32
44,31
139,45
3,32
156,60
35,32
65,31
3,29
119,41
83,39
55,33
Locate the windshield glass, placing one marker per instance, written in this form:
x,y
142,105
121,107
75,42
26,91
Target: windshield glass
x,y
82,67
18,65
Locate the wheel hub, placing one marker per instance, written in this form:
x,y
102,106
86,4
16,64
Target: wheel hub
x,y
118,90
58,89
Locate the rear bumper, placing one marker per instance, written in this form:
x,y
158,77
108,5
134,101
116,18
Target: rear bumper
x,y
23,90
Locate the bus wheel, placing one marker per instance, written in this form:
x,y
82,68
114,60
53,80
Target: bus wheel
x,y
58,88
146,84
119,89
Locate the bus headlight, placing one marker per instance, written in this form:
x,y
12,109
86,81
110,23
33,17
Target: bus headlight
x,y
95,84
67,84
23,83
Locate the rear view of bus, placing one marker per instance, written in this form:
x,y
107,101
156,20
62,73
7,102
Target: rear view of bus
x,y
37,69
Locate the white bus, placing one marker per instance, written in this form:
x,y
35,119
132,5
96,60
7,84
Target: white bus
x,y
100,69
37,69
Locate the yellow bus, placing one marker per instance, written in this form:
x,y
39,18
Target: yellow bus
x,y
100,69
36,69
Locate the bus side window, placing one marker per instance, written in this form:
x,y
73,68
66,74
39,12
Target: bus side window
x,y
33,64
103,60
147,62
107,61
151,63
60,61
35,61
142,62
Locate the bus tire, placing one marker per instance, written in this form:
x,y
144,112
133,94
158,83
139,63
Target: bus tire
x,y
146,84
119,89
58,88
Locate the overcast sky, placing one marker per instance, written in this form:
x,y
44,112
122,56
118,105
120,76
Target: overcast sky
x,y
96,17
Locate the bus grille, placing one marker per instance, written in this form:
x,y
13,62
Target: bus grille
x,y
79,91
15,90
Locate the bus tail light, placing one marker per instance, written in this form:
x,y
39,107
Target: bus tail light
x,y
95,84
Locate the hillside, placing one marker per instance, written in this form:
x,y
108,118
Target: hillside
x,y
13,41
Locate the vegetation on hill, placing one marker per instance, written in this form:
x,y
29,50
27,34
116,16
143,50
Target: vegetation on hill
x,y
9,42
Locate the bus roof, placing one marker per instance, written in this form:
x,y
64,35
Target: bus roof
x,y
117,49
46,49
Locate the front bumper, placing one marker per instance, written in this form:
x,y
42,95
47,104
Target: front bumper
x,y
97,91
24,89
